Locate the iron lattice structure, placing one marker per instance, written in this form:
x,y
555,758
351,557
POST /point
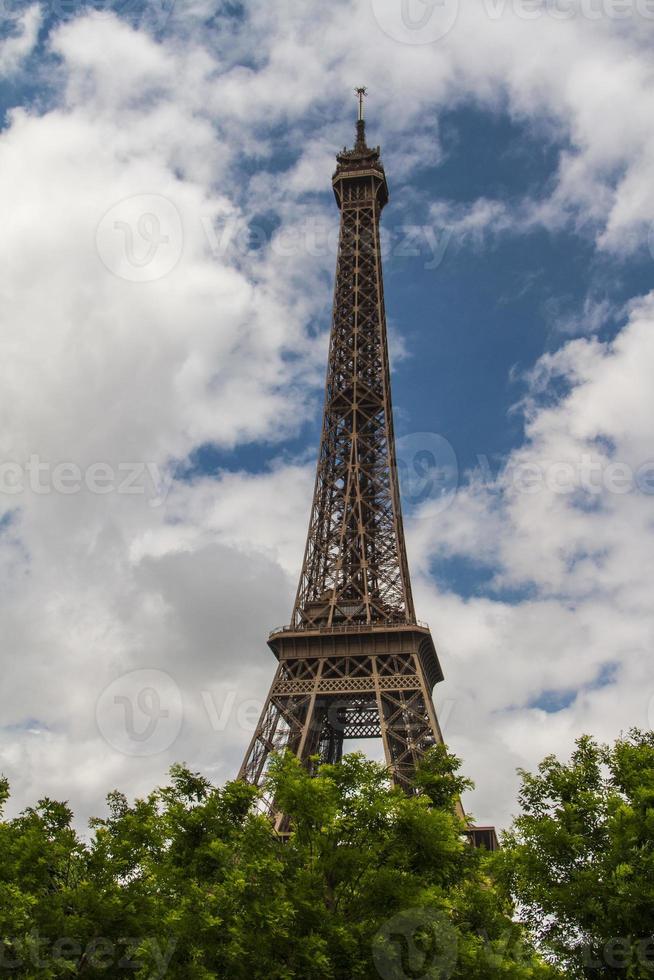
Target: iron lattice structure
x,y
355,567
354,662
333,686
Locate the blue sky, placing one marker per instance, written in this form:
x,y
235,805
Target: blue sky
x,y
168,269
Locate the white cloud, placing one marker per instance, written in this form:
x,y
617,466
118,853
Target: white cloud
x,y
569,525
580,80
474,222
105,369
22,32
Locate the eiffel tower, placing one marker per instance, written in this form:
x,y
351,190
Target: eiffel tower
x,y
354,662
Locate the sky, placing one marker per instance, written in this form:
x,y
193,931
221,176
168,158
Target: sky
x,y
168,250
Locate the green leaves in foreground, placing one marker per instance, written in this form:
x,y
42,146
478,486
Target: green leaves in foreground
x,y
192,883
580,859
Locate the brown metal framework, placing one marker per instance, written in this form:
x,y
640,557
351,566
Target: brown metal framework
x,y
337,684
355,567
354,662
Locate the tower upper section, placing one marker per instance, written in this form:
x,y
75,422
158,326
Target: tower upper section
x,y
355,569
359,173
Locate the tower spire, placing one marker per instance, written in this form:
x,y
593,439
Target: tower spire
x,y
360,144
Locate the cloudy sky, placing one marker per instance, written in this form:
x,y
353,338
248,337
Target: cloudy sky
x,y
168,248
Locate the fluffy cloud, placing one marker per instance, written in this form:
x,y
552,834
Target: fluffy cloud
x,y
567,528
578,76
114,374
21,34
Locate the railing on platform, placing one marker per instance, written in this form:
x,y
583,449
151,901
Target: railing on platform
x,y
346,628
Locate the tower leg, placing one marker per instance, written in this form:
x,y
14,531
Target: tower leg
x,y
315,705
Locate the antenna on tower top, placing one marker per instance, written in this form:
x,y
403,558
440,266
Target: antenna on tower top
x,y
361,125
361,92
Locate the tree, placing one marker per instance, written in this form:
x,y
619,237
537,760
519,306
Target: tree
x,y
385,884
193,883
580,858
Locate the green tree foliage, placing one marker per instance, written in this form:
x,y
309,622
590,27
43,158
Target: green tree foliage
x,y
192,883
580,858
